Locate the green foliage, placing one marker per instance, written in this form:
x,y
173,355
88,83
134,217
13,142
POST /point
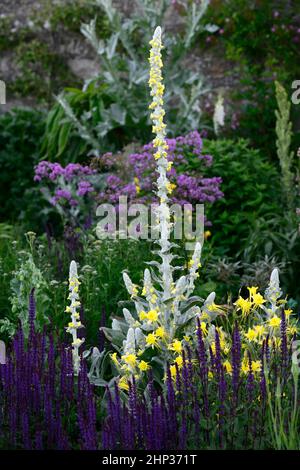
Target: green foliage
x,y
23,278
262,42
283,143
277,235
251,188
21,132
112,109
6,39
70,15
41,70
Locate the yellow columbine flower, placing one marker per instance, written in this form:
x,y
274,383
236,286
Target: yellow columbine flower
x,y
203,327
288,312
151,339
259,329
143,366
123,384
173,371
160,332
251,335
274,322
228,367
176,346
129,359
292,330
256,366
258,300
152,316
114,359
244,305
245,366
179,361
252,290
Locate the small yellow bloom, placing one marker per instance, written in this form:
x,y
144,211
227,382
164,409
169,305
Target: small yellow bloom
x,y
143,315
173,371
143,366
176,346
274,322
123,384
256,366
245,367
153,299
129,359
292,330
251,335
179,361
203,327
260,330
258,300
151,339
252,290
228,367
160,332
114,359
190,263
244,305
152,316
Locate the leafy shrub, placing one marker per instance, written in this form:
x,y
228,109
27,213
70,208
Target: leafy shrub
x,y
262,40
111,109
21,133
251,187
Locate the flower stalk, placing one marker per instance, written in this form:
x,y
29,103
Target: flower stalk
x,y
75,322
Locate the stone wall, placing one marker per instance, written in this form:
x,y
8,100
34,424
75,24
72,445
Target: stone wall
x,y
79,57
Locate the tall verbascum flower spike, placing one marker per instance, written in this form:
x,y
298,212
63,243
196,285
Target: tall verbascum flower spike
x,y
164,187
75,322
164,307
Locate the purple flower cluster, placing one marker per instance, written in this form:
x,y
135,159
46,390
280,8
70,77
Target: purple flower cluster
x,y
68,184
43,406
38,399
190,186
52,171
